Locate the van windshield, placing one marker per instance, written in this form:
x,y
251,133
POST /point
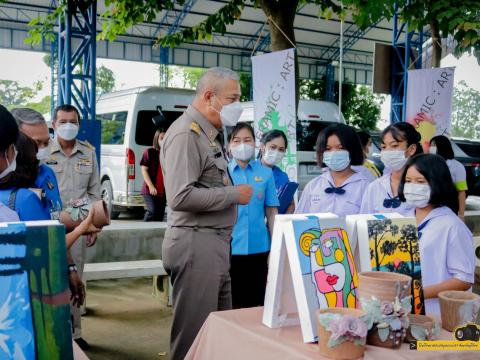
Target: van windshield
x,y
307,133
145,129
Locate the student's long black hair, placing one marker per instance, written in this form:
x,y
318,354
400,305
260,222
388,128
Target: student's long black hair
x,y
444,146
348,138
436,172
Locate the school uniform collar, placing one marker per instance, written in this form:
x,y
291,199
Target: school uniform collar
x,y
207,127
437,212
233,165
327,175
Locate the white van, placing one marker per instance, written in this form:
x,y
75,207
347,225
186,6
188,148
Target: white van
x,y
127,130
312,117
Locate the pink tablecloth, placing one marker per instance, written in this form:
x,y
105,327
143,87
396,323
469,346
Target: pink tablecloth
x,y
240,334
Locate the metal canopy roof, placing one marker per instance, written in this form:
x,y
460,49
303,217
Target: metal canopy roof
x,y
317,39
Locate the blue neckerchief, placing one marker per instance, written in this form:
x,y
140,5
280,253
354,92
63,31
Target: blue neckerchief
x,y
391,202
420,228
333,189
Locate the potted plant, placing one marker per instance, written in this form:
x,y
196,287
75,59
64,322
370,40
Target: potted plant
x,y
342,333
422,327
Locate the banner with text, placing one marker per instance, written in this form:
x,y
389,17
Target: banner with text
x,y
274,101
429,101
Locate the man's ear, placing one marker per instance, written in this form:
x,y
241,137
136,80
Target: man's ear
x,y
208,96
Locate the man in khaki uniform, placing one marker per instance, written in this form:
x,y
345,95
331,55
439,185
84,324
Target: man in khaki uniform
x,y
75,165
202,199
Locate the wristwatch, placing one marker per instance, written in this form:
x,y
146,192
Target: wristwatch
x,y
72,267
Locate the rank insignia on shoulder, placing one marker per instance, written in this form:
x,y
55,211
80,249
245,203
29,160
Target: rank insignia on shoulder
x,y
195,127
258,179
52,162
87,144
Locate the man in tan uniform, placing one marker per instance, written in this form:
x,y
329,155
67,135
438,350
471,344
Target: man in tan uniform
x,y
75,165
202,199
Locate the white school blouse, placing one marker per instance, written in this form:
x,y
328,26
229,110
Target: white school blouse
x,y
314,199
458,173
446,251
375,195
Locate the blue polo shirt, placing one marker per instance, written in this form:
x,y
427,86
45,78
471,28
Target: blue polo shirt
x,y
250,234
27,205
47,181
281,178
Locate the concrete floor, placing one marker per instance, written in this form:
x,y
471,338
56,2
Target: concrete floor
x,y
124,321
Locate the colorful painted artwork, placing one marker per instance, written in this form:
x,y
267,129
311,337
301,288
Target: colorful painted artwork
x,y
33,268
393,246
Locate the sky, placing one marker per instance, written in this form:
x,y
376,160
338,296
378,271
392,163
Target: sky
x,y
26,67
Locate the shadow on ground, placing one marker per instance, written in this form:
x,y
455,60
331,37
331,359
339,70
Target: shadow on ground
x,y
124,321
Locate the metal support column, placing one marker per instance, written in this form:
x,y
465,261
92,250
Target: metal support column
x,y
406,54
77,66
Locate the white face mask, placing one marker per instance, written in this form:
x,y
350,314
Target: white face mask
x,y
242,152
43,153
273,157
67,131
230,113
417,195
432,150
394,159
11,166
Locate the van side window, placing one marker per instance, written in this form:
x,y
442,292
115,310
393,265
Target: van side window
x,y
113,127
145,128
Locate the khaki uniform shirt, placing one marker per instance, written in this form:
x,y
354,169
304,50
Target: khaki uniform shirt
x,y
195,171
77,175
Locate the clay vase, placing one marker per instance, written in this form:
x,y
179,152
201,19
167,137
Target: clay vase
x,y
382,285
101,217
67,221
394,340
424,321
453,310
346,350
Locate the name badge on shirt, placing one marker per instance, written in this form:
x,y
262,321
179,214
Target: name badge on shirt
x,y
258,178
316,198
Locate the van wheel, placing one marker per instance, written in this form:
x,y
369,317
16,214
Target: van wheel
x,y
107,196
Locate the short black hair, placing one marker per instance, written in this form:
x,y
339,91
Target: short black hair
x,y
240,126
364,137
348,138
8,129
66,108
436,172
403,131
444,146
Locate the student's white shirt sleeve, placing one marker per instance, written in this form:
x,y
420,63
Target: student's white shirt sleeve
x,y
367,201
460,255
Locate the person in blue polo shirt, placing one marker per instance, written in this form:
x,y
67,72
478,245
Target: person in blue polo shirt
x,y
251,234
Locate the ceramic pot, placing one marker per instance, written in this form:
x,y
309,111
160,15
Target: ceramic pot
x,y
347,350
66,220
101,217
424,321
382,285
394,340
458,308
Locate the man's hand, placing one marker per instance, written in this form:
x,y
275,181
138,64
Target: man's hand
x,y
91,239
245,193
77,289
86,227
152,190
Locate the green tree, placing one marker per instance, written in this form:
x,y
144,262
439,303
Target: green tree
x,y
43,106
377,231
363,109
12,94
465,111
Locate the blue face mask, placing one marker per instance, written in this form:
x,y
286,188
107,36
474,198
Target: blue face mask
x,y
336,160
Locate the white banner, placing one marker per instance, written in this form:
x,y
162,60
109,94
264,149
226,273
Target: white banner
x,y
274,101
429,101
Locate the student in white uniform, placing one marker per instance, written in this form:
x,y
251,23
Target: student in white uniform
x,y
441,145
339,189
368,168
399,142
446,244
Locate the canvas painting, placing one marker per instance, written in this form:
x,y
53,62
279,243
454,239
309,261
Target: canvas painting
x,y
392,245
37,267
321,266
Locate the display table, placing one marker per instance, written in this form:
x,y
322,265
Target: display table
x,y
240,334
78,353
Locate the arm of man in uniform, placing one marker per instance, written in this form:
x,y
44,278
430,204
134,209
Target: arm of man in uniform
x,y
183,168
93,190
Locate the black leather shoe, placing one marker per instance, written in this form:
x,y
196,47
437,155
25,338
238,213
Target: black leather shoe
x,y
82,344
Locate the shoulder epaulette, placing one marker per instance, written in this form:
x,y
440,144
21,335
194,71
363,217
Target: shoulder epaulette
x,y
195,127
87,144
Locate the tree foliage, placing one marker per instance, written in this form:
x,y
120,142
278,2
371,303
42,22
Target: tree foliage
x,y
465,112
12,94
